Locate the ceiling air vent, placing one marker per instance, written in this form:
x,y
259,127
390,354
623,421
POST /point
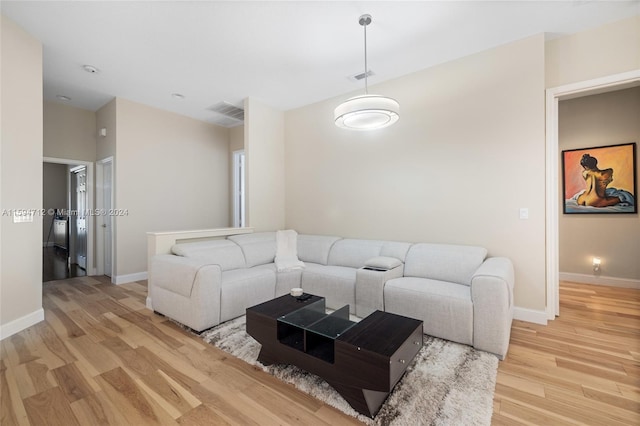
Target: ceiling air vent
x,y
229,115
360,76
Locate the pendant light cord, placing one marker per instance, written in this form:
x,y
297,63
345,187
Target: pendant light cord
x,y
366,71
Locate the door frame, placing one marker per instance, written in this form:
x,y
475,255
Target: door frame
x,y
553,96
239,216
91,270
100,164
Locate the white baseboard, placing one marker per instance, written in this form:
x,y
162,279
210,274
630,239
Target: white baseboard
x,y
599,280
129,278
530,315
149,304
16,326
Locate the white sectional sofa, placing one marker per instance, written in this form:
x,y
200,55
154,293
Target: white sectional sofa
x,y
459,293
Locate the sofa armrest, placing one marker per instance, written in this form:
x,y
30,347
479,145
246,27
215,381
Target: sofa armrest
x,y
186,290
370,288
175,273
492,297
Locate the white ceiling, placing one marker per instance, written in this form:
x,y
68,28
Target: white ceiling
x,y
286,53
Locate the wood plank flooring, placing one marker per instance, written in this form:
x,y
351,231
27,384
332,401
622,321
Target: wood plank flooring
x,y
101,358
582,368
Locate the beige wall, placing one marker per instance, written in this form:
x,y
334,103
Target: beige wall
x,y
54,195
20,178
236,138
171,173
265,163
106,118
466,154
69,132
598,120
603,51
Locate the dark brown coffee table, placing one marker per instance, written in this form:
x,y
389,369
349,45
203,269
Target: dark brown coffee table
x,y
363,360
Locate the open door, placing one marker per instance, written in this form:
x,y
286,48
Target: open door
x,y
78,220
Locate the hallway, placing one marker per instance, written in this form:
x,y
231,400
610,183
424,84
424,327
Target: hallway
x,y
55,266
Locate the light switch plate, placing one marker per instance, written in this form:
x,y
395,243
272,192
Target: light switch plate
x,y
23,216
524,213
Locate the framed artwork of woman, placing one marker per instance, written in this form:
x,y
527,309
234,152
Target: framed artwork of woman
x,y
600,179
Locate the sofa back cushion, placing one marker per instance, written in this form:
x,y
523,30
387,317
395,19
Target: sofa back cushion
x,y
225,253
395,249
444,262
315,248
354,253
259,248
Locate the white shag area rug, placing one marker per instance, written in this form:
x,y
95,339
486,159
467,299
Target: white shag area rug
x,y
446,384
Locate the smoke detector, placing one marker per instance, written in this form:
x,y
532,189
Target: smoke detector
x,y
90,69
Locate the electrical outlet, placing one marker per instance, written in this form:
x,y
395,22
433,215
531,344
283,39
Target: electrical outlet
x,y
524,213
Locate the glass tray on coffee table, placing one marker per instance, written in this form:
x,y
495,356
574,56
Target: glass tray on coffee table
x,y
311,330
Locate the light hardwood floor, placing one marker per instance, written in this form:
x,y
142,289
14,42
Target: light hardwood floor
x,y
582,368
101,358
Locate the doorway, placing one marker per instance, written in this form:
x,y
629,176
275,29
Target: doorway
x,y
553,96
67,222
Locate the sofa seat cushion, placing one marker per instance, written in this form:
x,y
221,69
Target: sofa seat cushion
x,y
242,288
225,253
337,284
446,308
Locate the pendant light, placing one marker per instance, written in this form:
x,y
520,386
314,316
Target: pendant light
x,y
366,112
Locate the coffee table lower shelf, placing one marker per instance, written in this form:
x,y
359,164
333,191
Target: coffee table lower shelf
x,y
365,363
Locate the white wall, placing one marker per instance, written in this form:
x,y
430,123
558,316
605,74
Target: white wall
x,y
466,154
605,50
171,173
106,118
236,138
69,132
265,164
20,178
598,120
